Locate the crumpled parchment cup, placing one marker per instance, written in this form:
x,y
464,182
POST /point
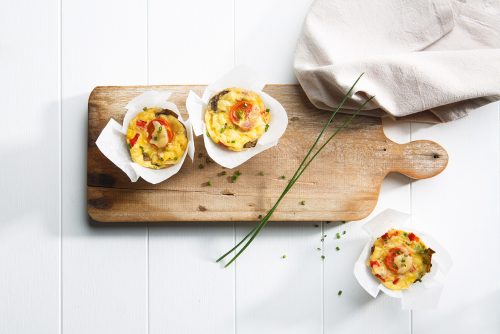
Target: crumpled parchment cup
x,y
421,295
242,77
111,141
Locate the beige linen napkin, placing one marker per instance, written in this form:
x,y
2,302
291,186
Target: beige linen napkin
x,y
424,60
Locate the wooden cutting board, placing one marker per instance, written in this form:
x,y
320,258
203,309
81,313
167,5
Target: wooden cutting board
x,y
343,183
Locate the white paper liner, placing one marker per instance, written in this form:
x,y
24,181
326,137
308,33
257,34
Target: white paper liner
x,y
242,77
111,141
424,295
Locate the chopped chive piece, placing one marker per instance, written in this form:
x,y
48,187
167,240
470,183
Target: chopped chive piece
x,y
337,235
209,183
343,232
267,127
223,128
318,249
337,248
267,110
302,202
283,256
241,246
260,217
282,177
322,257
339,293
261,173
129,147
235,176
201,166
145,108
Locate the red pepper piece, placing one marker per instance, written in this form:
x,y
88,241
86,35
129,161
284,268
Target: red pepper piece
x,y
140,123
395,281
134,140
374,263
412,237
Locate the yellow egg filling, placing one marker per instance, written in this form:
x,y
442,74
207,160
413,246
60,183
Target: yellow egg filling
x,y
236,118
156,138
398,259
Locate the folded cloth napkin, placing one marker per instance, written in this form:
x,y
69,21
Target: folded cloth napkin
x,y
424,60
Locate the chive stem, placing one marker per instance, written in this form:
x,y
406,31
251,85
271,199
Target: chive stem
x,y
300,170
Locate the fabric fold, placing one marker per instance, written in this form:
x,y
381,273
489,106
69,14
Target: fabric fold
x,y
424,60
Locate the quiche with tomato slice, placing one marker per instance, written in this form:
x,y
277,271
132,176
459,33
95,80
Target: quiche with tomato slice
x,y
156,138
236,118
399,258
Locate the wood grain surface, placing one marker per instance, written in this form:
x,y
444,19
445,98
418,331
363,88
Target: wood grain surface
x,y
343,182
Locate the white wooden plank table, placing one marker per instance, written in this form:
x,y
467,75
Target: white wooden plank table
x,y
61,274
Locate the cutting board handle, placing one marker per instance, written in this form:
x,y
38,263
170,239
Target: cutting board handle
x,y
419,159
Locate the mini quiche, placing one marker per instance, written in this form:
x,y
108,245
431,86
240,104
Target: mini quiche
x,y
156,138
399,258
236,118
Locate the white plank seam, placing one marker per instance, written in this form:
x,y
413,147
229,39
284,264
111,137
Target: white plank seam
x,y
147,225
411,224
59,31
322,280
235,224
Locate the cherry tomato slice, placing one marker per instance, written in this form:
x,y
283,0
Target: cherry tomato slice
x,y
389,259
239,112
165,124
134,140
